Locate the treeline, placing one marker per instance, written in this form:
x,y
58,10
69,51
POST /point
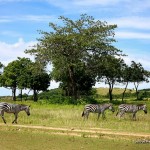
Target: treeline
x,y
81,52
24,74
56,96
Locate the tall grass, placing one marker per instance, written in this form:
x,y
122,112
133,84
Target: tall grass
x,y
70,116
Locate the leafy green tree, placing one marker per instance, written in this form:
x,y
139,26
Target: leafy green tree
x,y
22,74
139,75
111,72
1,66
15,75
126,78
38,80
73,46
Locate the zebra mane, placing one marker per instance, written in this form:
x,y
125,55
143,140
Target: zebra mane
x,y
23,106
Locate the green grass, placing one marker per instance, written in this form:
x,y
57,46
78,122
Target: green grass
x,y
69,116
12,138
116,91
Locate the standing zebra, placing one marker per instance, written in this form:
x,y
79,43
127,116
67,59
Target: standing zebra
x,y
131,108
96,108
13,108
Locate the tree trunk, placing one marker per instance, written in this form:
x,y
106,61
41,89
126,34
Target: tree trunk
x,y
35,95
124,92
14,93
21,94
136,88
110,95
110,92
73,84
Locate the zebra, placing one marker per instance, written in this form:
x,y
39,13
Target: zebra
x,y
13,108
131,108
97,108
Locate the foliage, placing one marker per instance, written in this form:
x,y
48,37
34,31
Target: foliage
x,y
15,75
55,96
138,75
111,72
72,48
23,73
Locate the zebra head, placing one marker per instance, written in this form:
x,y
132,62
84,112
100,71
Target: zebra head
x,y
26,108
142,107
111,108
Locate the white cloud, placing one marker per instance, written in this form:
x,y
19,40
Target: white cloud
x,y
34,18
132,35
138,58
10,52
133,22
96,2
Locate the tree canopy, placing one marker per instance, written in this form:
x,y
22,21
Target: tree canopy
x,y
73,47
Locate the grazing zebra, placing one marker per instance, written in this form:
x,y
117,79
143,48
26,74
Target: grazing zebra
x,y
96,108
131,108
13,108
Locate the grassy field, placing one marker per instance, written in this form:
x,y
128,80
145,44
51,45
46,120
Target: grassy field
x,y
69,117
26,139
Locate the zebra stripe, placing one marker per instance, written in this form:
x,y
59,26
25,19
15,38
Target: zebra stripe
x,y
13,108
96,108
131,108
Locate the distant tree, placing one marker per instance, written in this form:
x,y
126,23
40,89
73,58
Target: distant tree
x,y
71,46
84,83
38,79
126,78
15,75
111,72
22,74
138,75
1,66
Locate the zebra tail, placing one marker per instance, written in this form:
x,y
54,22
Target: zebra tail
x,y
82,113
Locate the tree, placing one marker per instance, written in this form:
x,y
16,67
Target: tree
x,y
15,75
38,80
71,46
139,74
126,77
1,66
22,74
111,72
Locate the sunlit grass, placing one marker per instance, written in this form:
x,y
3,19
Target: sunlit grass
x,y
27,139
70,116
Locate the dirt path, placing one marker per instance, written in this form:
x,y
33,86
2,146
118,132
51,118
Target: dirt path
x,y
91,132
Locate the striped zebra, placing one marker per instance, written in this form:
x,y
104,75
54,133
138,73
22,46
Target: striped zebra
x,y
13,108
96,108
131,108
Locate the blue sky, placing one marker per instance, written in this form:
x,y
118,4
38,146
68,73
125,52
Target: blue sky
x,y
20,21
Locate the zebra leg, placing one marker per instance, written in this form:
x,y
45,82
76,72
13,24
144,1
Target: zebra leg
x,y
98,116
16,116
134,116
103,115
121,114
87,115
2,115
